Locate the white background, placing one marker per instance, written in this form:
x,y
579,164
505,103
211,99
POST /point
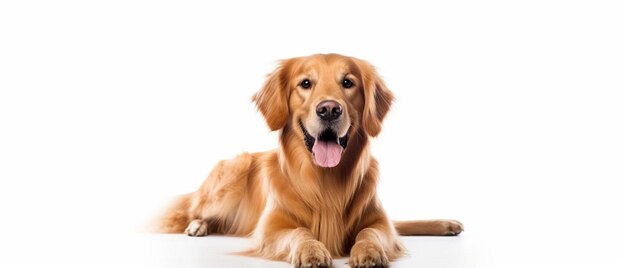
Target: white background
x,y
510,116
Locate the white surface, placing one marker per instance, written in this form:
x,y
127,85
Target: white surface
x,y
510,117
212,251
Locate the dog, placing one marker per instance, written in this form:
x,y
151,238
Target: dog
x,y
314,198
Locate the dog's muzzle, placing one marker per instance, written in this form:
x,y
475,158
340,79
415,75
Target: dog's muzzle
x,y
326,148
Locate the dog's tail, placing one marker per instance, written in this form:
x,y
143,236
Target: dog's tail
x,y
429,227
175,218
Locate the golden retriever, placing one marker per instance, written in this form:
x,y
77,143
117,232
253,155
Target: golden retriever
x,y
314,198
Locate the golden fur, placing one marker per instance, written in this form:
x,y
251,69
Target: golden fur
x,y
298,211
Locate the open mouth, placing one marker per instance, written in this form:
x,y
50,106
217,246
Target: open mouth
x,y
327,148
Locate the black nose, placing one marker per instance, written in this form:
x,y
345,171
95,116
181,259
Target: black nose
x,y
329,110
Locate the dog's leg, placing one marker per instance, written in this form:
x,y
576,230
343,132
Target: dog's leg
x,y
429,227
197,227
222,198
306,251
297,245
375,246
204,227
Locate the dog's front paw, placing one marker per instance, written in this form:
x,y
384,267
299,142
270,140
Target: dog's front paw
x,y
197,228
367,254
450,227
311,253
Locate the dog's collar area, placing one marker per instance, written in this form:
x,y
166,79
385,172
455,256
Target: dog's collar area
x,y
327,135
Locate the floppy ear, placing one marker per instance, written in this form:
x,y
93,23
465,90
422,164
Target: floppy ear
x,y
377,99
271,100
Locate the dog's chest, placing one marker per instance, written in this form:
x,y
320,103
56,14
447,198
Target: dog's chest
x,y
327,225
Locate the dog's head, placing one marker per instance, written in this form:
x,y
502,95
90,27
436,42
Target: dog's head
x,y
325,99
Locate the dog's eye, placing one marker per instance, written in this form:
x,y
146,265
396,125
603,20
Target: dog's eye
x,y
305,84
346,83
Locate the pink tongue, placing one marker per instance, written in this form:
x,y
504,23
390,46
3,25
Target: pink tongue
x,y
327,154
